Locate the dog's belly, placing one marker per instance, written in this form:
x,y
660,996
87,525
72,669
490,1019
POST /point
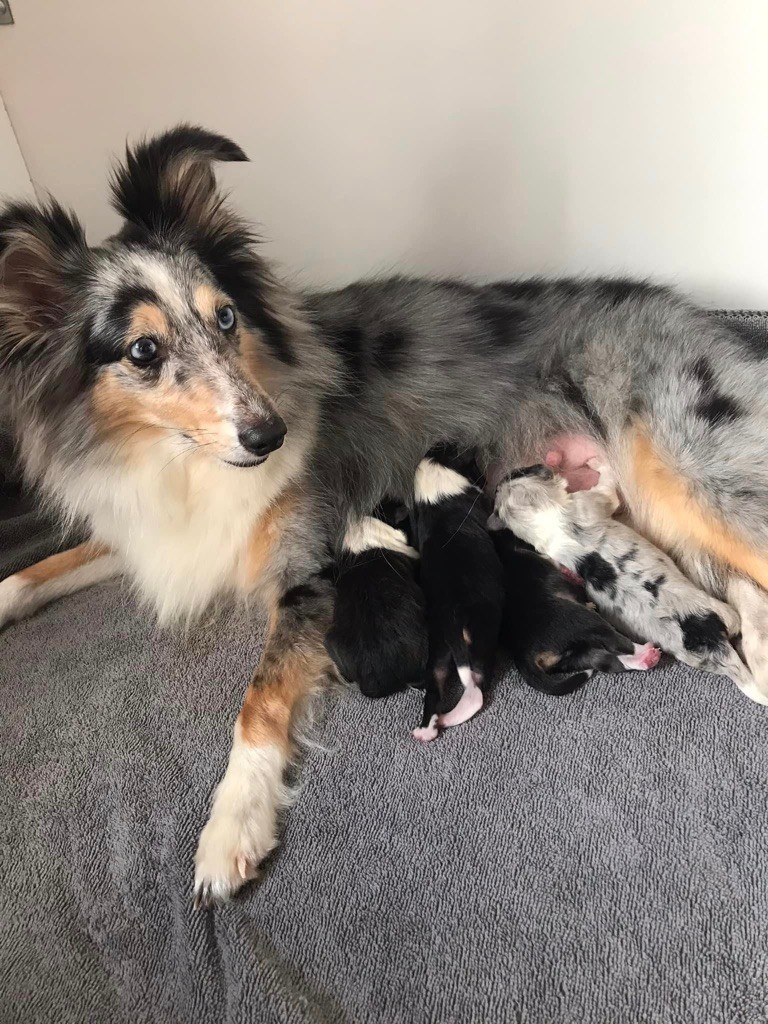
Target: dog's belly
x,y
567,453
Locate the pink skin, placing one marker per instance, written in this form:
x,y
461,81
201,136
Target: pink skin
x,y
571,576
427,733
568,454
646,656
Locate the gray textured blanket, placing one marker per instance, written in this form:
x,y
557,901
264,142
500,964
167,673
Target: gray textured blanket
x,y
599,858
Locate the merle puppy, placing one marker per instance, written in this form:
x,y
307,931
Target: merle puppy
x,y
378,637
464,585
633,583
555,639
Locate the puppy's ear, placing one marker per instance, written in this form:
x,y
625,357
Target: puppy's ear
x,y
168,181
43,256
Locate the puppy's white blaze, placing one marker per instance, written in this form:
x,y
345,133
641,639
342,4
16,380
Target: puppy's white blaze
x,y
434,482
20,597
369,533
242,827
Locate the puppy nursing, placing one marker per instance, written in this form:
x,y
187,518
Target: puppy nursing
x,y
633,583
463,584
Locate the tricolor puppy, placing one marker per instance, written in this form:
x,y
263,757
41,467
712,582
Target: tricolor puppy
x,y
631,581
556,640
378,638
464,585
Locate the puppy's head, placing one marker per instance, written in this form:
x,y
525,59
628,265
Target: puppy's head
x,y
524,496
170,334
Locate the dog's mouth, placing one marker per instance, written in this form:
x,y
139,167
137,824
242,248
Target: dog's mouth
x,y
257,461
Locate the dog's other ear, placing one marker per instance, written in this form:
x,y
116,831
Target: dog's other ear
x,y
43,253
168,182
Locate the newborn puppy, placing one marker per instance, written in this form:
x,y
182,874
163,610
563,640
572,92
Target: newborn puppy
x,y
463,582
378,637
633,583
557,642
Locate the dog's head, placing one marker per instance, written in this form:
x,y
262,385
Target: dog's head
x,y
170,333
524,497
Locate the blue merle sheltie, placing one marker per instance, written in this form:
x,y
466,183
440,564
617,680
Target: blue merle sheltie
x,y
217,431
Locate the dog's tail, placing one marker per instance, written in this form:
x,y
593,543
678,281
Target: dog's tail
x,y
553,683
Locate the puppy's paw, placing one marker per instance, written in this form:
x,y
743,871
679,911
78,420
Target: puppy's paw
x,y
427,733
242,828
645,656
15,599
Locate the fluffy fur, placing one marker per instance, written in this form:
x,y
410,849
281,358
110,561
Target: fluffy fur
x,y
365,380
556,641
464,586
631,581
378,638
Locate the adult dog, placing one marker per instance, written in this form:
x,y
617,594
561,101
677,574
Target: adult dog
x,y
217,432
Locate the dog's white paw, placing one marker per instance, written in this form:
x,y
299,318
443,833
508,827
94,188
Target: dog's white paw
x,y
14,599
242,828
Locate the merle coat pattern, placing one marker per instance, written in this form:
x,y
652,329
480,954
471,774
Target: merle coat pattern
x,y
633,583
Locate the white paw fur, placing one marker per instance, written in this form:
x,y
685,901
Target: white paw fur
x,y
15,599
242,827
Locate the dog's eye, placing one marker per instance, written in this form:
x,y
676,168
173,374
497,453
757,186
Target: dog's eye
x,y
143,351
226,318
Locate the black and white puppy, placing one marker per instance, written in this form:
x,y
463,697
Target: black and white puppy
x,y
378,637
463,582
555,639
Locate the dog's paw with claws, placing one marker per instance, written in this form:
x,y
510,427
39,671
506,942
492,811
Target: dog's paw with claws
x,y
242,828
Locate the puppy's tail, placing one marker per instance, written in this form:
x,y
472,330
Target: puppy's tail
x,y
554,684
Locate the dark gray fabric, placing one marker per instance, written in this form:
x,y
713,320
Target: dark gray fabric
x,y
598,858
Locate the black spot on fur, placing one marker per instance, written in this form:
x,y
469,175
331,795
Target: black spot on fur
x,y
718,408
504,324
349,340
703,632
702,371
713,406
544,472
299,595
391,349
520,291
595,570
652,586
621,563
182,375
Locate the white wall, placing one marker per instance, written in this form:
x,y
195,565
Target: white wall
x,y
479,137
14,179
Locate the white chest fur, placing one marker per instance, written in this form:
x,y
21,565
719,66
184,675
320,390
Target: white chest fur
x,y
181,526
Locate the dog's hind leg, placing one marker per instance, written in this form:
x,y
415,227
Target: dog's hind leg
x,y
242,827
26,591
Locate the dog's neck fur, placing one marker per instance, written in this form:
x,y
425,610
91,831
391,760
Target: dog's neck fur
x,y
181,524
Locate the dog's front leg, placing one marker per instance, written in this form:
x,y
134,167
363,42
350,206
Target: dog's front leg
x,y
242,827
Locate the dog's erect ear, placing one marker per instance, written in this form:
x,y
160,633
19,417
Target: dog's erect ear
x,y
42,252
168,181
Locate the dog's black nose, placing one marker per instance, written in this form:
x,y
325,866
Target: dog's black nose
x,y
264,438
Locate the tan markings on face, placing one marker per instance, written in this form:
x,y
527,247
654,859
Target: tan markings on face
x,y
59,565
147,320
256,368
143,414
665,510
547,660
207,301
